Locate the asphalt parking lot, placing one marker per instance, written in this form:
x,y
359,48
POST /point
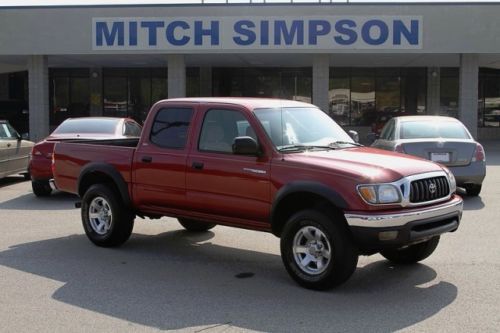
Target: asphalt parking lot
x,y
53,279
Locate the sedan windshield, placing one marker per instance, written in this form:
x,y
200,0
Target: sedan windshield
x,y
428,130
85,125
293,128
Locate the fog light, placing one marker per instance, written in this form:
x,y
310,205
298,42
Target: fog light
x,y
387,235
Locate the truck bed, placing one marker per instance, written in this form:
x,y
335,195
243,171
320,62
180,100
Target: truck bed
x,y
72,156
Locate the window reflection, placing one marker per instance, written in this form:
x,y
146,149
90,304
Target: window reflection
x,y
449,92
490,102
372,96
288,83
70,94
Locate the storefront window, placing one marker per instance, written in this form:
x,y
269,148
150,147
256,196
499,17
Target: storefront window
x,y
489,106
289,83
362,100
70,94
339,94
131,92
115,96
371,96
449,92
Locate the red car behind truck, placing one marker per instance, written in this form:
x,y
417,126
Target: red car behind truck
x,y
277,166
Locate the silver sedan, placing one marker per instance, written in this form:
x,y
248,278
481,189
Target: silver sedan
x,y
444,140
14,151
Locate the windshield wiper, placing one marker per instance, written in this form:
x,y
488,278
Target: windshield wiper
x,y
303,147
336,143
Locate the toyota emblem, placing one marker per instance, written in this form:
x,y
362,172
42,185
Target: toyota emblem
x,y
432,188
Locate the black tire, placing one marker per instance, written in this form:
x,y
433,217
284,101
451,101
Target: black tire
x,y
413,253
473,190
100,198
27,176
41,188
195,226
332,237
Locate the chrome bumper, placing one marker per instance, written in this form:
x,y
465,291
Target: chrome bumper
x,y
375,220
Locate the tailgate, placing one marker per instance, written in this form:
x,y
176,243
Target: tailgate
x,y
70,157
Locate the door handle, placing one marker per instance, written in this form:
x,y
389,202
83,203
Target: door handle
x,y
147,159
8,145
197,165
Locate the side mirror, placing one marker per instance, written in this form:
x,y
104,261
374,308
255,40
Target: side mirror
x,y
354,135
245,145
25,136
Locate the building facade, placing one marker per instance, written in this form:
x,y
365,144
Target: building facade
x,y
360,63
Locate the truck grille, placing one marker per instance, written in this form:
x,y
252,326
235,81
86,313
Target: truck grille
x,y
429,189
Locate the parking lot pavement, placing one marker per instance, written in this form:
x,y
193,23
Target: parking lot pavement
x,y
163,278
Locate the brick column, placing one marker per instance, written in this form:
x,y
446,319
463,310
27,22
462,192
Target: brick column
x,y
176,76
468,88
320,81
38,85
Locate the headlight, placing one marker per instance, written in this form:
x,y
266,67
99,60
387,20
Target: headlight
x,y
379,193
453,181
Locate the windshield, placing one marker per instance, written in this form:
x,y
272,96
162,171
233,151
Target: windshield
x,y
86,125
301,127
438,129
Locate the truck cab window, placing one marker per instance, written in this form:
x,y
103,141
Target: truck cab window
x,y
170,127
220,127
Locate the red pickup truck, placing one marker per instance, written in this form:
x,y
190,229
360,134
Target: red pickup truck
x,y
277,166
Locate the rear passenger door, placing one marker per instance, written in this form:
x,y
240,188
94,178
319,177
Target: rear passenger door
x,y
220,183
159,170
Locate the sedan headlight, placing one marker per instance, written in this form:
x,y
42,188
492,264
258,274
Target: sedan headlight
x,y
379,193
453,181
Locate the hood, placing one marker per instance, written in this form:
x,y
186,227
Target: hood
x,y
364,164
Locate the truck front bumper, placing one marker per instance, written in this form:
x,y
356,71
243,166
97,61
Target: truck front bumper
x,y
377,231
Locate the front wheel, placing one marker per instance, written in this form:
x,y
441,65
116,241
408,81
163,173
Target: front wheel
x,y
413,253
473,190
194,225
317,251
106,220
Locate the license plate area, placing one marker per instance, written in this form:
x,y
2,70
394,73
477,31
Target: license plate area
x,y
440,157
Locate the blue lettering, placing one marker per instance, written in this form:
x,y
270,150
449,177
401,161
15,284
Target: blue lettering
x,y
347,35
280,29
152,27
264,32
399,29
242,28
318,28
102,32
132,33
383,32
213,32
170,33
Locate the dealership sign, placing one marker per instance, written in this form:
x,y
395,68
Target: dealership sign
x,y
257,33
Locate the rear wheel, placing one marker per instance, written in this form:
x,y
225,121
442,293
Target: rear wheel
x,y
317,251
473,190
106,220
41,188
194,225
412,253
